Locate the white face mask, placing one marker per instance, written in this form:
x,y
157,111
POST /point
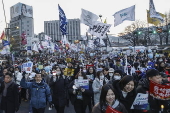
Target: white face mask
x,y
80,78
84,71
117,77
110,74
16,71
102,77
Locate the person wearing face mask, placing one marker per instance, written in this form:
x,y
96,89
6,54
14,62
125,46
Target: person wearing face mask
x,y
80,97
117,75
97,86
18,76
127,92
59,87
111,73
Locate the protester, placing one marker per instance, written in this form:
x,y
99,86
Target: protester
x,y
108,97
10,94
59,87
40,93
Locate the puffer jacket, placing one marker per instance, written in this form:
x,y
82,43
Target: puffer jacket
x,y
40,93
96,85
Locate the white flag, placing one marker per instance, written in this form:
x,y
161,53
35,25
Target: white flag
x,y
88,17
153,13
47,37
124,14
35,48
91,44
99,29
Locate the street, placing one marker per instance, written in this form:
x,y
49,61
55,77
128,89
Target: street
x,y
24,108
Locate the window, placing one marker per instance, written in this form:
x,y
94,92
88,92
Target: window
x,y
27,34
27,25
27,21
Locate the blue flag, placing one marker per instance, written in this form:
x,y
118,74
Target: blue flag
x,y
63,20
5,42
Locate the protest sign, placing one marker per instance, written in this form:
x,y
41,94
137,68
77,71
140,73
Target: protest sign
x,y
40,67
159,91
90,76
27,67
68,60
141,102
87,66
82,83
69,72
111,110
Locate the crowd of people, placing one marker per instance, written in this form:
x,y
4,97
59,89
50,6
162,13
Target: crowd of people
x,y
112,82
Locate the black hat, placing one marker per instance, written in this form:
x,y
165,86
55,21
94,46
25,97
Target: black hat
x,y
119,71
151,73
126,79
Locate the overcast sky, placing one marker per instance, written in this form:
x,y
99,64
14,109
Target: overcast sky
x,y
46,10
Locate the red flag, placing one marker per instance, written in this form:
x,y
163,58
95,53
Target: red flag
x,y
111,110
3,36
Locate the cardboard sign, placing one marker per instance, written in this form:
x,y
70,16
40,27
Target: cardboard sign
x,y
111,110
82,83
159,91
141,102
69,72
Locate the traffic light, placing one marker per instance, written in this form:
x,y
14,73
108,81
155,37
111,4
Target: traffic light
x,y
139,32
154,32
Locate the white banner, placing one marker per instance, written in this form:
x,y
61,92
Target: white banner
x,y
27,67
88,17
125,14
99,29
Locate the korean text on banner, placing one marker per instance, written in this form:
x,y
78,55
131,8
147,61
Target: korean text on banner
x,y
159,91
87,66
141,102
27,67
82,83
99,29
111,110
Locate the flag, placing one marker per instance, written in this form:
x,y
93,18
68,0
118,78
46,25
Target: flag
x,y
56,47
40,47
47,37
63,20
153,13
3,37
88,17
35,48
105,21
124,14
13,58
5,42
24,39
154,21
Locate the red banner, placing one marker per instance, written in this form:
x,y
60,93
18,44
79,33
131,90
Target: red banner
x,y
87,66
159,91
111,110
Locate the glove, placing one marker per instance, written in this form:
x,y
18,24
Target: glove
x,y
50,104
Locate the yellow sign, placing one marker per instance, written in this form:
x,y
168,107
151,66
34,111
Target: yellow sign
x,y
69,72
40,67
68,60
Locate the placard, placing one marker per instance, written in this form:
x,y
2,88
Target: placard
x,y
69,72
27,67
159,91
82,83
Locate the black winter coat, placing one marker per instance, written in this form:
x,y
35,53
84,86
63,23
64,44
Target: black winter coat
x,y
11,101
128,100
86,94
59,91
155,104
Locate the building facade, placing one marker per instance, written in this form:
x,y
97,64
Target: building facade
x,y
21,22
52,29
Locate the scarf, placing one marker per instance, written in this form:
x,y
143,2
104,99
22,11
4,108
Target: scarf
x,y
6,87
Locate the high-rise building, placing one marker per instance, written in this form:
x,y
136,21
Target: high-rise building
x,y
21,22
52,29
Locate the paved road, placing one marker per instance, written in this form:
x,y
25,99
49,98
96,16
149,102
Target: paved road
x,y
24,108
